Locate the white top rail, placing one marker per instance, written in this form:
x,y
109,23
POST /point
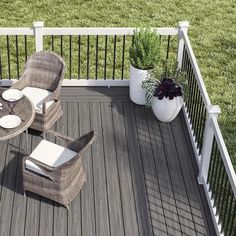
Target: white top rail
x,y
16,31
224,154
196,70
103,31
82,31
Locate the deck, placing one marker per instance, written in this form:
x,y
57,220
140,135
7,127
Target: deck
x,y
141,175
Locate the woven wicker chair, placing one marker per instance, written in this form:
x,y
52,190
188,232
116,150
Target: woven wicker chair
x,y
56,172
41,83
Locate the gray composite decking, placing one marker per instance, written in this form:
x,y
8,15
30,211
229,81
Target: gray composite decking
x,y
141,175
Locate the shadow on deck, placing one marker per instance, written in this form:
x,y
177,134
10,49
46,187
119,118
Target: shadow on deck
x,y
141,175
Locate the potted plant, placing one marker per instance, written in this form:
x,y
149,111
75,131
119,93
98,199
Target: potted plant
x,y
143,55
164,93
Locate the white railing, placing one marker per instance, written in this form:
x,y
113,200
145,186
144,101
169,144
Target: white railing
x,y
211,129
38,31
211,132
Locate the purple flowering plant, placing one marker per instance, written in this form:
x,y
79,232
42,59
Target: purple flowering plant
x,y
167,88
164,81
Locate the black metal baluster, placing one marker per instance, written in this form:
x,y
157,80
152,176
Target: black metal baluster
x,y
186,68
219,172
202,129
70,55
79,57
132,40
223,217
193,105
233,221
88,57
61,39
52,40
191,95
189,82
167,54
123,58
214,196
114,58
227,209
26,52
96,70
199,121
8,58
196,110
195,91
183,59
213,156
223,200
228,215
209,176
221,193
105,59
17,58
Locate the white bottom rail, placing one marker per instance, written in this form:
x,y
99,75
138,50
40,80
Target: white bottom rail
x,y
81,82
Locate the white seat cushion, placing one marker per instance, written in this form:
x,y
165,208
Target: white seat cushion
x,y
50,154
36,95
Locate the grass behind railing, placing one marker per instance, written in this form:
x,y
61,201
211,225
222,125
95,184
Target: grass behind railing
x,y
11,72
80,72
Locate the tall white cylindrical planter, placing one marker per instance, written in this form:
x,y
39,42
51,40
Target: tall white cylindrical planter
x,y
166,110
136,92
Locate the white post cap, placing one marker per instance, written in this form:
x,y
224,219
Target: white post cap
x,y
213,109
38,23
184,24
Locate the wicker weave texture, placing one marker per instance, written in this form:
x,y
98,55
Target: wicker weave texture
x,y
64,182
44,70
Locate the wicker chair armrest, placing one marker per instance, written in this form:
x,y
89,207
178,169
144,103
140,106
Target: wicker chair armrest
x,y
54,96
48,170
20,84
63,137
82,143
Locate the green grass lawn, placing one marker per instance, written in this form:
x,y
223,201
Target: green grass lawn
x,y
212,33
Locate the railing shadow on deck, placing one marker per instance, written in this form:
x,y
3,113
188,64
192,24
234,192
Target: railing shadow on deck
x,y
184,210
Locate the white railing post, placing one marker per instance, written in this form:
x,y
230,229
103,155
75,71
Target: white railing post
x,y
213,111
38,33
183,26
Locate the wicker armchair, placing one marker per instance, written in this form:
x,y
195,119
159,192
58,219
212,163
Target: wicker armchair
x,y
41,83
56,172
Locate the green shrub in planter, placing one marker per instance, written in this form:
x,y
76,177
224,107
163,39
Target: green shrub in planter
x,y
145,49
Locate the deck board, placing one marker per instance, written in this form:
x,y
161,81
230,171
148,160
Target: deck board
x,y
164,180
74,215
141,174
60,213
126,188
100,186
113,186
20,202
139,188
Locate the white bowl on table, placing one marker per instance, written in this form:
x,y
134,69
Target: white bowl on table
x,y
12,94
